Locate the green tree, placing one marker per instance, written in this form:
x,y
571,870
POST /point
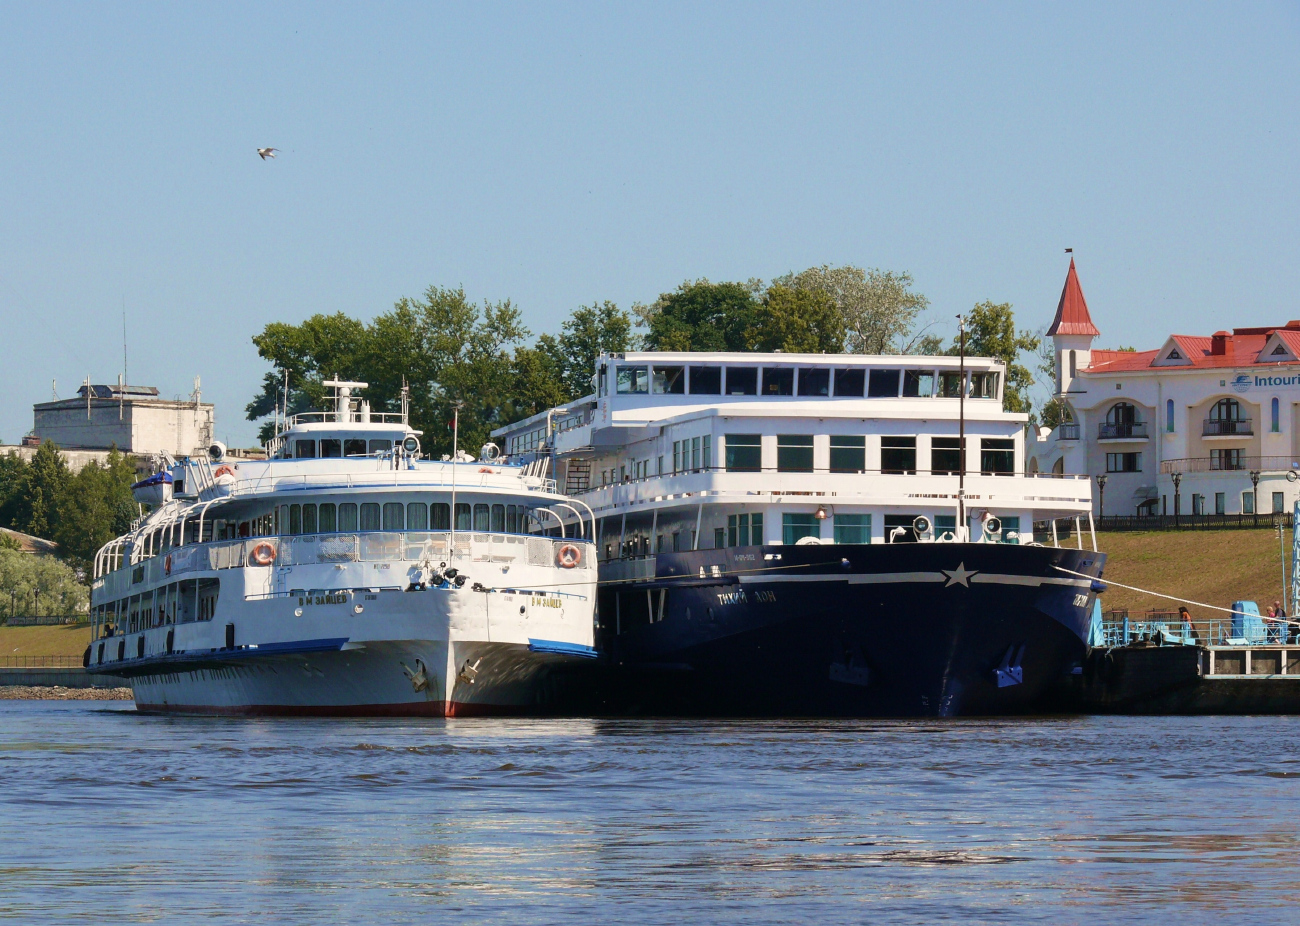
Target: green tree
x,y
797,321
95,506
590,330
39,585
13,481
879,307
991,332
34,509
701,316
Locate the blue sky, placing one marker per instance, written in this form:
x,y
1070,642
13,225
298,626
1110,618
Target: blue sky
x,y
560,154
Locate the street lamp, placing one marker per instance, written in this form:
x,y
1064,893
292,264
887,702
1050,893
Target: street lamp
x,y
1101,501
1254,495
1177,478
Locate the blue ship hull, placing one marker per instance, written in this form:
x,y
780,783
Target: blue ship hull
x,y
933,629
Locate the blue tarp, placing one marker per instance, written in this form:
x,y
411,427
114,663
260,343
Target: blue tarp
x,y
1096,636
1247,625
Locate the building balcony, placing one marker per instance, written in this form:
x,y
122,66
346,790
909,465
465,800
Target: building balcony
x,y
1125,430
1223,464
1067,432
1228,427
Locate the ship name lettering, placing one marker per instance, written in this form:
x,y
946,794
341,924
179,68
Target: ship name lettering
x,y
736,597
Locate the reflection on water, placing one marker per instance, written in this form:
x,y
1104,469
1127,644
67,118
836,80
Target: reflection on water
x,y
108,815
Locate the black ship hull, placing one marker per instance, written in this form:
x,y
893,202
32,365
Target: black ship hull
x,y
918,629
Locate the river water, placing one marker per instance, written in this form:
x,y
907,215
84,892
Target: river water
x,y
112,816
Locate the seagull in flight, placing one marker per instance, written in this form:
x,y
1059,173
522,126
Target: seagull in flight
x,y
267,152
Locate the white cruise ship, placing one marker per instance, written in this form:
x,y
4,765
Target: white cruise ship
x,y
346,574
757,518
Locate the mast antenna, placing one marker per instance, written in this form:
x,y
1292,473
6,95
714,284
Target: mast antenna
x,y
962,526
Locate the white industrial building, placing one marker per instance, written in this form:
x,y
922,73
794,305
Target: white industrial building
x,y
132,418
1200,425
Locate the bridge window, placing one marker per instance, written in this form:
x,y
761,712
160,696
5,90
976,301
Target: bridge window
x,y
918,383
794,453
380,446
417,516
883,384
795,527
848,453
462,517
853,528
354,447
304,449
370,519
309,519
669,381
393,516
633,380
778,381
331,447
348,516
499,519
743,530
945,455
512,520
898,455
706,380
851,382
295,519
440,516
328,518
984,385
998,456
815,381
482,518
950,384
742,380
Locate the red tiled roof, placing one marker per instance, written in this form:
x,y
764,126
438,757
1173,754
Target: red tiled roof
x,y
1239,349
1072,311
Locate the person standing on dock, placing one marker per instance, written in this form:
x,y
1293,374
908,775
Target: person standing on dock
x,y
1189,633
1280,627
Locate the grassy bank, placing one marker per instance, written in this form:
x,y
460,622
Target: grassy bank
x,y
1217,567
57,640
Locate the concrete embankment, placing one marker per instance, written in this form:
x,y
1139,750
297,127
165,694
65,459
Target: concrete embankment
x,y
61,678
55,693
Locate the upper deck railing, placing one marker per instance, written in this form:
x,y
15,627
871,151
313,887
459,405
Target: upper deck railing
x,y
346,418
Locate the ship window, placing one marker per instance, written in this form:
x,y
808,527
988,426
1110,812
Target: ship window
x,y
499,519
902,523
778,381
417,516
632,380
743,530
482,519
370,520
328,518
998,456
512,520
304,449
744,453
984,385
918,383
795,527
950,384
462,517
883,384
380,446
440,516
898,455
309,519
794,453
853,528
348,516
706,380
295,519
1011,525
742,380
354,447
669,381
331,447
945,455
850,382
848,454
815,381
393,516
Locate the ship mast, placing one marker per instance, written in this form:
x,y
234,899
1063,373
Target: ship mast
x,y
962,528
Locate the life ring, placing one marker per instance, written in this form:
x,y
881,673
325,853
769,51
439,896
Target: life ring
x,y
167,564
223,470
569,556
484,469
264,554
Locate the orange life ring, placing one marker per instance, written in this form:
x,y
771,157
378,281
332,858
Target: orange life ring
x,y
569,556
222,470
167,564
484,469
264,554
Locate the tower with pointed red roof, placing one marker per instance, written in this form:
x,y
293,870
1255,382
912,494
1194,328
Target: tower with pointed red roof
x,y
1072,332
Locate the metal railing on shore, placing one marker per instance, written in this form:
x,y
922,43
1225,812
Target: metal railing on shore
x,y
40,662
1193,522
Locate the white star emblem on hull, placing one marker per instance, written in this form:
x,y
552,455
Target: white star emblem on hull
x,y
959,576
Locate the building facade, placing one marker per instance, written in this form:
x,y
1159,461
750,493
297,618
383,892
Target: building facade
x,y
132,418
1200,425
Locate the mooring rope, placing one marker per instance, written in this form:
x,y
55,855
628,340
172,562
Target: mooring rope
x,y
1199,604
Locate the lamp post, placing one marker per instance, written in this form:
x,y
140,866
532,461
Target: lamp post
x,y
1101,500
1177,478
1254,496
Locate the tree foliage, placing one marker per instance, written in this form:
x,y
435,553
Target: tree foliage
x,y
39,585
802,321
702,316
879,308
991,332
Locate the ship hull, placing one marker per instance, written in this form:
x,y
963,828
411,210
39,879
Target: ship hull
x,y
847,630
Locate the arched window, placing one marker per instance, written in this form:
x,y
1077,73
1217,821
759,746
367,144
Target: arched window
x,y
1169,415
1277,419
1122,421
1122,413
1226,410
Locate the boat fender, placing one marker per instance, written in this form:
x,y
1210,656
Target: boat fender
x,y
223,470
263,554
167,564
569,555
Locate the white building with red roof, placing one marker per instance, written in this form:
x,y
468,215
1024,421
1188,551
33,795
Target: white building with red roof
x,y
1185,428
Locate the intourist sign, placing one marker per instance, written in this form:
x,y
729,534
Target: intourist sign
x,y
1244,382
